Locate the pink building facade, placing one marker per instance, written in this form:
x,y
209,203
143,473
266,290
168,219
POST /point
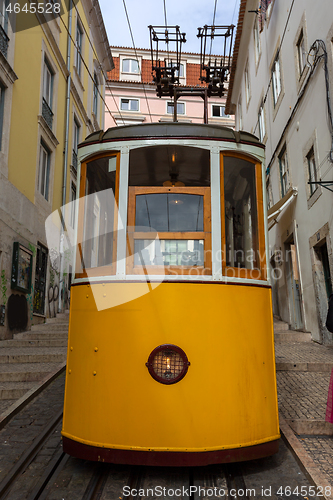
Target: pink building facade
x,y
131,93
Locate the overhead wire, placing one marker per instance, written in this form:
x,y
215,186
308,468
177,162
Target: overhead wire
x,y
136,55
212,34
85,65
166,33
102,70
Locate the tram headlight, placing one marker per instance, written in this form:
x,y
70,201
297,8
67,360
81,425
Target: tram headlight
x,y
167,364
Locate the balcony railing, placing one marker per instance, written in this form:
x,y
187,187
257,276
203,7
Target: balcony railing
x,y
74,160
4,40
47,113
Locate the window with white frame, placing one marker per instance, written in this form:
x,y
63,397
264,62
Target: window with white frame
x,y
256,34
44,170
130,66
95,94
247,84
79,42
276,79
312,171
284,171
181,72
129,104
301,53
261,121
180,108
219,111
240,115
48,78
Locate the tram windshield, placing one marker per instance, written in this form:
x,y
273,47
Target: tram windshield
x,y
169,196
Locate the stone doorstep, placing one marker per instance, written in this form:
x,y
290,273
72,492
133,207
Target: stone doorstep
x,y
310,469
291,336
304,367
311,427
280,326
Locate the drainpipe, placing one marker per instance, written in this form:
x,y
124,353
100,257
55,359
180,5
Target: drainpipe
x,y
64,184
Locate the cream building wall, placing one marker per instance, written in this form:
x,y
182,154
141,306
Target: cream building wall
x,y
27,128
297,132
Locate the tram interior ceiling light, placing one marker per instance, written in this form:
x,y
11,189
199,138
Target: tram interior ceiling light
x,y
167,364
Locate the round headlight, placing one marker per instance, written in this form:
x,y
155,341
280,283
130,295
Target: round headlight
x,y
167,364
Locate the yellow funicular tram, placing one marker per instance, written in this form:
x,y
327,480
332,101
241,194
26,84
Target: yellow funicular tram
x,y
170,350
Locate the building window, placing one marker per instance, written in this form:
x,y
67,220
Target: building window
x,y
261,121
47,112
95,95
180,108
130,66
247,84
219,111
4,39
72,201
129,104
180,73
276,80
2,108
312,170
256,34
301,53
284,171
240,115
79,40
76,140
44,170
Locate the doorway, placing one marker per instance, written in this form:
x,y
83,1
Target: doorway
x,y
293,285
40,279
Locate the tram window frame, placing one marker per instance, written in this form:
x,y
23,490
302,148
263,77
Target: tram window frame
x,y
261,272
204,235
110,269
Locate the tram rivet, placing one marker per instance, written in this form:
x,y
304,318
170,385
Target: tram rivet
x,y
87,296
104,294
94,373
69,371
71,348
96,349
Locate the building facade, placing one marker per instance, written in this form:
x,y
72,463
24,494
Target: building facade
x,y
131,93
280,89
52,89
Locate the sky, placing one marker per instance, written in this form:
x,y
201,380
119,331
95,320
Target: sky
x,y
189,15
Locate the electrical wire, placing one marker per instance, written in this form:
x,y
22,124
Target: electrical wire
x,y
85,65
213,25
166,24
101,68
136,55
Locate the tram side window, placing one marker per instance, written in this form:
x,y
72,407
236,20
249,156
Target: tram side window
x,y
99,212
241,220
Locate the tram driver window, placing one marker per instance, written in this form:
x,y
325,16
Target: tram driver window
x,y
96,242
169,210
241,219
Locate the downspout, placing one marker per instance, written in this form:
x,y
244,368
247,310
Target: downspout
x,y
64,185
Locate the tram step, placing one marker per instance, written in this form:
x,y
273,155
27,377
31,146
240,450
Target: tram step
x,y
41,335
292,336
26,372
14,390
33,355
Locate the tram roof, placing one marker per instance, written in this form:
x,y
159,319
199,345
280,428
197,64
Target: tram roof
x,y
171,130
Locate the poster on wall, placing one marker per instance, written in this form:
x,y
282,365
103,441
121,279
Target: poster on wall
x,y
21,268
